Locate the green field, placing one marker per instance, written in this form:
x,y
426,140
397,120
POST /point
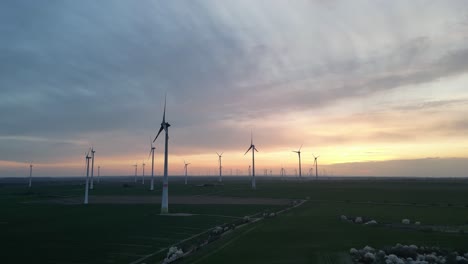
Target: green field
x,y
43,232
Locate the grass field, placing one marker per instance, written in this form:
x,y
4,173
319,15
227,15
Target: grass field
x,y
34,230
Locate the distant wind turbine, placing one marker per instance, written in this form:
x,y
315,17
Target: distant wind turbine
x,y
185,168
300,167
152,165
220,167
143,176
92,168
30,175
136,169
87,178
165,192
253,148
315,163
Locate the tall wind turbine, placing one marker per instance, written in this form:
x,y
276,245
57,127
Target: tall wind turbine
x,y
152,165
220,167
136,169
92,168
143,176
30,175
87,178
315,163
300,167
252,147
185,168
165,192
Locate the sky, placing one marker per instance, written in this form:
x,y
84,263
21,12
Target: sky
x,y
376,88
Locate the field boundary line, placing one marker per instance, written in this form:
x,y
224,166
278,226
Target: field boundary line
x,y
225,245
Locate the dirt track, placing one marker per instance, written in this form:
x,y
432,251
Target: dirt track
x,y
172,200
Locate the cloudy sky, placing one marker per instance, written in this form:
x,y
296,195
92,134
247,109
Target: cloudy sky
x,y
373,87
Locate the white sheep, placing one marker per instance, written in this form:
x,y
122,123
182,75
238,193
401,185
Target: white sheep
x,y
369,256
343,217
371,222
417,223
353,251
358,220
368,249
405,221
393,259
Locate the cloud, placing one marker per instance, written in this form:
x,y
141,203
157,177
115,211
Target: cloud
x,y
97,72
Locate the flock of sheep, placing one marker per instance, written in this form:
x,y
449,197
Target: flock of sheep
x,y
407,254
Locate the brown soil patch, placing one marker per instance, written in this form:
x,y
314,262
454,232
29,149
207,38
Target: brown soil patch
x,y
172,200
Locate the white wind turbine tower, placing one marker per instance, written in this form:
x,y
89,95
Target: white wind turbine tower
x,y
152,165
143,176
315,163
165,192
300,167
185,168
99,174
252,147
30,175
136,169
87,178
220,167
92,168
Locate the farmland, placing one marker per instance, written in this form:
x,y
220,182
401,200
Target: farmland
x,y
37,227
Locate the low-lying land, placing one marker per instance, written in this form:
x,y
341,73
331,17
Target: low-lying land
x,y
122,222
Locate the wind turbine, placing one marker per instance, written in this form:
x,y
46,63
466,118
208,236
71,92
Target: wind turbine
x,y
92,168
300,169
315,163
220,167
152,165
253,148
143,176
30,175
136,169
165,192
185,167
87,178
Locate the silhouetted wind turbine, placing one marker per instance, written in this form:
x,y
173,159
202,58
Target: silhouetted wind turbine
x,y
92,168
136,169
220,167
185,168
315,163
30,175
252,147
165,192
300,167
152,165
143,176
87,178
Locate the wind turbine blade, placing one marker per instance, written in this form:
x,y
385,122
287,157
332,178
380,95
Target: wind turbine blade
x,y
150,153
159,132
248,150
300,147
295,151
255,149
164,114
217,154
221,154
251,137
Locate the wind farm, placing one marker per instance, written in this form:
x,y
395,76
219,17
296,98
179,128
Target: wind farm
x,y
356,111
